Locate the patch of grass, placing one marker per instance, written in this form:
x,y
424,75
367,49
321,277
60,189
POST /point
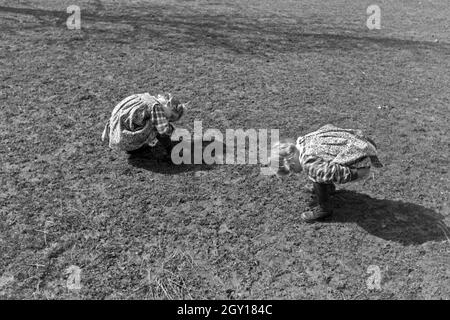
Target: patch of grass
x,y
141,229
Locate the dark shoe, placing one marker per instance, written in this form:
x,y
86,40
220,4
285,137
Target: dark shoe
x,y
316,213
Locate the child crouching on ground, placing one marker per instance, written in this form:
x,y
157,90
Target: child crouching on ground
x,y
329,155
142,120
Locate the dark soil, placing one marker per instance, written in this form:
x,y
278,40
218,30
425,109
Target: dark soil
x,y
141,228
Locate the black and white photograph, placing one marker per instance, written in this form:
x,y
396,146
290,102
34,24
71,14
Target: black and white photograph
x,y
236,151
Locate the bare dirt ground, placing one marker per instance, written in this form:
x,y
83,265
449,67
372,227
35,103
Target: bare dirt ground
x,y
138,228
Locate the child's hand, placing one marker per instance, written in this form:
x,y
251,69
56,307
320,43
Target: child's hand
x,y
363,172
176,109
359,173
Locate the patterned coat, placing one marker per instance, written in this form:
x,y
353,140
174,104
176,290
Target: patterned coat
x,y
136,121
329,154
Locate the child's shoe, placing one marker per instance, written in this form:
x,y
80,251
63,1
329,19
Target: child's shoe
x,y
324,208
316,213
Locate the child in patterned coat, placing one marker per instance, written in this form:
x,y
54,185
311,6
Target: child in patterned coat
x,y
143,120
329,155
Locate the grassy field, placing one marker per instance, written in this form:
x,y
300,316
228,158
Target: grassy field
x,y
142,229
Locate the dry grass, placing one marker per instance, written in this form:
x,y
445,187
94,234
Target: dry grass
x,y
141,229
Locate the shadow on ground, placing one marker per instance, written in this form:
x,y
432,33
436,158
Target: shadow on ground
x,y
172,29
151,159
402,222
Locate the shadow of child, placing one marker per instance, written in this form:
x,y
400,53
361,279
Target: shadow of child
x,y
402,222
153,158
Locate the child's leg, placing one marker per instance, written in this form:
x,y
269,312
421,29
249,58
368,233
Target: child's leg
x,y
331,188
321,191
167,144
323,209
